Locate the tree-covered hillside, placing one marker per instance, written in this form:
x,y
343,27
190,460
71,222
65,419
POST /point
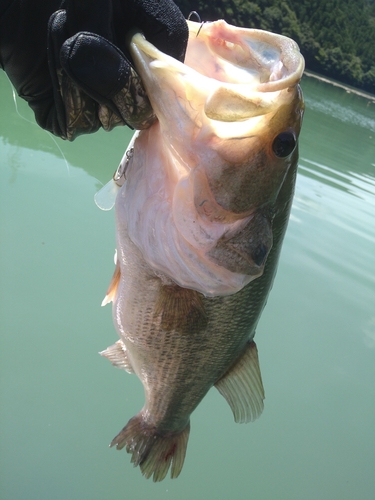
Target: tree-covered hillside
x,y
336,37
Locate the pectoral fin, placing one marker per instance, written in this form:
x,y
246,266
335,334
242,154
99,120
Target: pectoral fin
x,y
181,309
242,386
112,289
118,356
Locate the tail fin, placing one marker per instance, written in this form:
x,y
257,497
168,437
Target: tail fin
x,y
152,451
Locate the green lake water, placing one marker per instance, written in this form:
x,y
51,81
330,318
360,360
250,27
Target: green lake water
x,y
61,403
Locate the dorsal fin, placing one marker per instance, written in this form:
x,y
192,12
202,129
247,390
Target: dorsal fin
x,y
112,289
242,386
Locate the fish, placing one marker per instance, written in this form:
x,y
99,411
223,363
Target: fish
x,y
200,219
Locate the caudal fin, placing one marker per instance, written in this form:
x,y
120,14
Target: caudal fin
x,y
152,451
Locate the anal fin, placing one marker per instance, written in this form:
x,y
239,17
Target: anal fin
x,y
242,386
118,356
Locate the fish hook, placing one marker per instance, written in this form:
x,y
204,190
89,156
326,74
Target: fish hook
x,y
195,13
200,27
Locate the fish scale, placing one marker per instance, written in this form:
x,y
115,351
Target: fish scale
x,y
190,283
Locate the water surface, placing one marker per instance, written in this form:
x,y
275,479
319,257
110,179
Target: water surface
x,y
61,403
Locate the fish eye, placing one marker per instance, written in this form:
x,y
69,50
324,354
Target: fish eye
x,y
283,144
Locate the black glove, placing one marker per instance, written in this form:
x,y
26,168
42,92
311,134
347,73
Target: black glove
x,y
84,80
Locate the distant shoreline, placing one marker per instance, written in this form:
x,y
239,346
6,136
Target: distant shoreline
x,y
350,90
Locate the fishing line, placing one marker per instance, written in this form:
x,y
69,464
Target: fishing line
x,y
35,125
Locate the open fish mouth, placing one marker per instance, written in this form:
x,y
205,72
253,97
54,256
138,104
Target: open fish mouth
x,y
227,131
266,61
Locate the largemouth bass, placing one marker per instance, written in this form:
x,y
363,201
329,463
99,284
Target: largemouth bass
x,y
200,221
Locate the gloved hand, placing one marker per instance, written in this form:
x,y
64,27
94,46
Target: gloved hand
x,y
85,79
